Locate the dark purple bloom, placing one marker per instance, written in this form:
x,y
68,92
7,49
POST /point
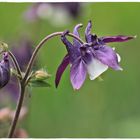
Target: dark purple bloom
x,y
94,57
4,70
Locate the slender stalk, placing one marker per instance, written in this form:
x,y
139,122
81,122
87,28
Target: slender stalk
x,y
15,63
24,80
30,64
21,97
18,108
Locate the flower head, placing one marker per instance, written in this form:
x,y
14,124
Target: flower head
x,y
93,57
4,70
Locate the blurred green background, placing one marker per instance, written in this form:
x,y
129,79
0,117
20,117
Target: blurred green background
x,y
99,109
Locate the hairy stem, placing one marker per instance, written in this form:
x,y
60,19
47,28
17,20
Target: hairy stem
x,y
17,113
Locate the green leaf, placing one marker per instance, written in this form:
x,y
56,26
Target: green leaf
x,y
39,84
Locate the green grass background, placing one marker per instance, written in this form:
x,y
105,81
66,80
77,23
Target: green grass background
x,y
99,109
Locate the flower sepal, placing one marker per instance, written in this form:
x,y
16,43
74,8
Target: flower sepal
x,y
41,75
39,78
37,83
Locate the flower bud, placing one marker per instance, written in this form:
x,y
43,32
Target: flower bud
x,y
41,75
4,70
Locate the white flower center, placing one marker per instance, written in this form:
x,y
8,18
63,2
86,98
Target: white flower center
x,y
95,68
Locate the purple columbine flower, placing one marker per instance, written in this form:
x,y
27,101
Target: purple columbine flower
x,y
93,57
4,70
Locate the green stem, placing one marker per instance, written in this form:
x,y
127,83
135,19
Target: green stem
x,y
21,97
18,108
15,63
23,81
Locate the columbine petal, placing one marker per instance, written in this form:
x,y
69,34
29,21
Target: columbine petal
x,y
119,38
118,56
95,68
76,43
61,69
73,51
78,73
108,57
4,71
88,32
68,44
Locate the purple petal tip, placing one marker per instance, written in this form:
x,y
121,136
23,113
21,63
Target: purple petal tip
x,y
119,68
119,38
132,37
61,69
80,24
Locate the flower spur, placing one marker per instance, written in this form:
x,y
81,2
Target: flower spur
x,y
93,57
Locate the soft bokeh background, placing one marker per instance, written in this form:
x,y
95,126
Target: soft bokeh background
x,y
99,109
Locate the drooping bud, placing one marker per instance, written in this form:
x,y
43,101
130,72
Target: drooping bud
x,y
41,75
4,70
